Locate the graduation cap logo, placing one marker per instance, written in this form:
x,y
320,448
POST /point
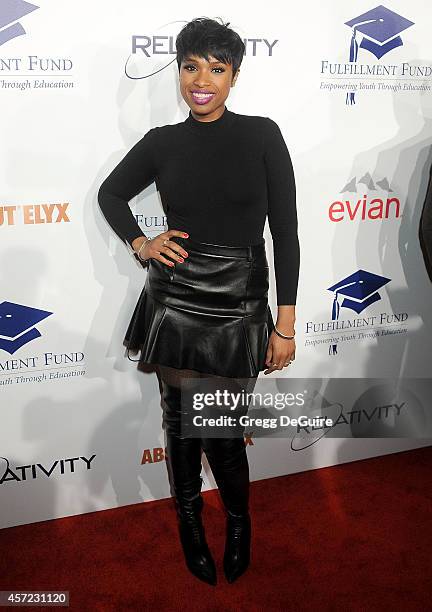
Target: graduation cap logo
x,y
356,292
380,30
10,12
17,325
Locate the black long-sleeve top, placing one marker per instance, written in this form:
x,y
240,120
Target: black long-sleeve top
x,y
426,222
217,181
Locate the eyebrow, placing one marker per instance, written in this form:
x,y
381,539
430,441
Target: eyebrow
x,y
189,59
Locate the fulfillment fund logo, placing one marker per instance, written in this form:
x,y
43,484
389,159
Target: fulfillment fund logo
x,y
374,34
17,325
17,329
10,12
374,200
33,66
357,293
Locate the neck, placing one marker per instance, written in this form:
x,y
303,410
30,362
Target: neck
x,y
221,122
211,117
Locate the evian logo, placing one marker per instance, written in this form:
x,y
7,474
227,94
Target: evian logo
x,y
365,199
10,13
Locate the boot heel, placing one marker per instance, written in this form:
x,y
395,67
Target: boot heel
x,y
237,546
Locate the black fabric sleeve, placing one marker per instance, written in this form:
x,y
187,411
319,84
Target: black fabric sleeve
x,y
282,214
135,172
426,222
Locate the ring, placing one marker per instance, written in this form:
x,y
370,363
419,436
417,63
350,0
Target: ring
x,y
166,240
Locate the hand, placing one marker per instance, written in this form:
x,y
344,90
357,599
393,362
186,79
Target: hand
x,y
280,353
161,243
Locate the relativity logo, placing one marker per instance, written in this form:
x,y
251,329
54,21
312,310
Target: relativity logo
x,y
375,201
17,325
154,51
374,33
23,473
10,13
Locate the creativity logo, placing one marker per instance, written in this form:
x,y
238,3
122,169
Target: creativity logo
x,y
10,12
365,207
17,325
355,292
379,31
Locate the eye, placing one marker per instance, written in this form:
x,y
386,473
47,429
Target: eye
x,y
187,66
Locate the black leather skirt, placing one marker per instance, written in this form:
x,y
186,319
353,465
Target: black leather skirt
x,y
209,313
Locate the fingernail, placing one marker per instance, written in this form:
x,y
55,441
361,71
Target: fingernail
x,y
185,235
181,259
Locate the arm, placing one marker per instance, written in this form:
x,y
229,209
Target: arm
x,y
134,173
426,222
282,218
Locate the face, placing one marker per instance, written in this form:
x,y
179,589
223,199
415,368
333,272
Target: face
x,y
205,85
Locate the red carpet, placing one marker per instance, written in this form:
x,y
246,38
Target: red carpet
x,y
355,537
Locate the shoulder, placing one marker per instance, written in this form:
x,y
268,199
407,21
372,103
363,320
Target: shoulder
x,y
256,122
265,127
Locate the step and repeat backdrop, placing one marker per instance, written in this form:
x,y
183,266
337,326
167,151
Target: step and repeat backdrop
x,y
349,83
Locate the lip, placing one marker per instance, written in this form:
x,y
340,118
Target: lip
x,y
202,101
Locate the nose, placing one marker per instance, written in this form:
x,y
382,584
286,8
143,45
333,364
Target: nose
x,y
201,79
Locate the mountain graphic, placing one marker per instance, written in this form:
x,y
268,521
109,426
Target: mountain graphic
x,y
367,180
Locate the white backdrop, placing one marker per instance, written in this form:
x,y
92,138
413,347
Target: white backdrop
x,y
80,83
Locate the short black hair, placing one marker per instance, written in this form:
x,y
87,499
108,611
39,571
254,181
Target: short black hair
x,y
203,37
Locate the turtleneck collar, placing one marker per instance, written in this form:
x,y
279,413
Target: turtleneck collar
x,y
209,126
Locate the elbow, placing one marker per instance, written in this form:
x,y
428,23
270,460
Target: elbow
x,y
102,195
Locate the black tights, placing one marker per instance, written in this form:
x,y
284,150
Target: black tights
x,y
227,457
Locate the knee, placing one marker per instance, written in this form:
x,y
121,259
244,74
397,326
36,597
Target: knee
x,y
228,453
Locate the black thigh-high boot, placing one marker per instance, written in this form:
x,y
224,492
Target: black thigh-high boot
x,y
184,462
228,461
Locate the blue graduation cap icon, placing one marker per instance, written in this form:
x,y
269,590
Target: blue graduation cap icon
x,y
380,29
10,12
17,325
358,291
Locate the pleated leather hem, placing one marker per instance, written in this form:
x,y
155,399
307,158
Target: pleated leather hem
x,y
232,347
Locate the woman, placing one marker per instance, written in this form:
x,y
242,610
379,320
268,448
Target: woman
x,y
204,311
